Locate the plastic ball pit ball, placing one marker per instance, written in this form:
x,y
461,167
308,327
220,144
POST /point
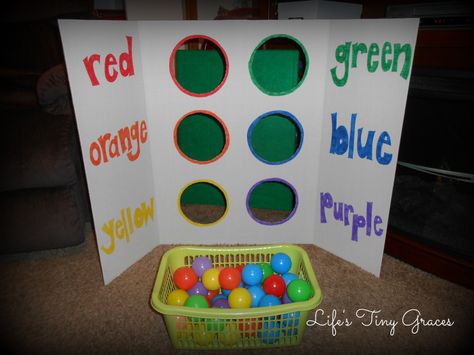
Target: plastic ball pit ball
x,y
198,289
269,301
285,299
288,277
299,290
270,332
257,294
240,298
274,285
210,279
266,269
211,294
215,324
185,278
230,335
281,263
202,336
218,297
221,303
252,274
177,298
196,301
229,278
249,326
201,264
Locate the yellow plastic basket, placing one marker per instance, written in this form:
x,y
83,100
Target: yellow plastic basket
x,y
216,328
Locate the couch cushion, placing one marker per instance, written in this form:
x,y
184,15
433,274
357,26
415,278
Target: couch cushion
x,y
38,150
40,219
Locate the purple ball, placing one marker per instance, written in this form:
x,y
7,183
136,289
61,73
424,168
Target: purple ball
x,y
221,303
198,289
285,299
201,264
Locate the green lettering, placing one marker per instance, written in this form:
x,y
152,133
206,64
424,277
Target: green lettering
x,y
372,64
406,49
357,48
386,50
342,56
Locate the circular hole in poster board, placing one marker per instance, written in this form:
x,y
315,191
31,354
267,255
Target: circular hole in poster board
x,y
272,201
278,65
275,137
199,65
201,137
203,203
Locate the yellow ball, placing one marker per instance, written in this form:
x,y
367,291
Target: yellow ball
x,y
230,335
177,298
240,298
202,336
210,279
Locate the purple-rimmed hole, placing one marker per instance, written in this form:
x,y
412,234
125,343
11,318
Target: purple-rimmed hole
x,y
283,220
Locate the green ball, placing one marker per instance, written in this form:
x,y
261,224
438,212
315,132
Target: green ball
x,y
299,290
267,270
196,301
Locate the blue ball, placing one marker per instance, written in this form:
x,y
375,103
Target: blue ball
x,y
270,332
252,274
288,277
281,263
269,300
257,294
225,292
290,319
218,297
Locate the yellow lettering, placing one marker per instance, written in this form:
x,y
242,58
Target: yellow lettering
x,y
119,229
108,228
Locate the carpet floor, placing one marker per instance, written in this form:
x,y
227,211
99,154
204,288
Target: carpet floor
x,y
56,303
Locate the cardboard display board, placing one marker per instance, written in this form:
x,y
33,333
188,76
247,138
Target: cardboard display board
x,y
341,107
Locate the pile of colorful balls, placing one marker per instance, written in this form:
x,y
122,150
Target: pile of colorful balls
x,y
252,285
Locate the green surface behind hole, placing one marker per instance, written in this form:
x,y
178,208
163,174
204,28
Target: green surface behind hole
x,y
204,194
275,138
201,137
275,71
201,71
272,195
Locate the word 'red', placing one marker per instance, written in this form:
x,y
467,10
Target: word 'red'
x,y
126,224
347,54
343,212
125,64
109,147
343,140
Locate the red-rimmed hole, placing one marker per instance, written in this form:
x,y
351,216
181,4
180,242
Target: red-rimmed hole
x,y
199,65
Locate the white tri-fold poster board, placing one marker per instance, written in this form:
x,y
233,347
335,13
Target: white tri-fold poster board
x,y
348,105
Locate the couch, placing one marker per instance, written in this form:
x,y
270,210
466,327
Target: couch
x,y
43,195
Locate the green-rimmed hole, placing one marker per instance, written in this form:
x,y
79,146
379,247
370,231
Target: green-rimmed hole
x,y
278,65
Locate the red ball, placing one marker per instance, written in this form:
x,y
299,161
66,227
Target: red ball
x,y
211,294
274,285
229,278
185,278
240,268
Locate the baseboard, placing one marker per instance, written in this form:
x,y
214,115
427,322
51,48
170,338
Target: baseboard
x,y
431,259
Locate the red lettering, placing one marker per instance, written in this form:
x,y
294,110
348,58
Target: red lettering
x,y
110,61
125,64
127,58
113,148
89,64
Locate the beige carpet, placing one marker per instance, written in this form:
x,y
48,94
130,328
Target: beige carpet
x,y
55,303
